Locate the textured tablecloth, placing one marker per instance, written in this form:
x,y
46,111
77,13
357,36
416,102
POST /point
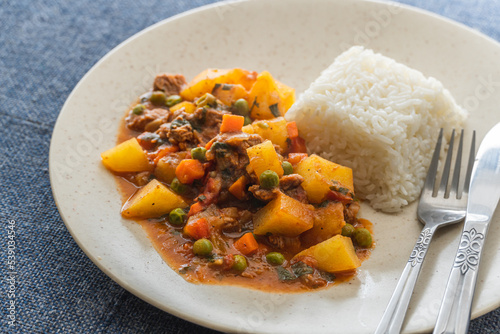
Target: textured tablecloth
x,y
45,49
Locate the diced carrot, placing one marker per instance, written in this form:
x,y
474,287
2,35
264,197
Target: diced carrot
x,y
189,170
209,144
295,158
231,123
293,132
164,151
298,145
237,189
195,208
246,244
197,229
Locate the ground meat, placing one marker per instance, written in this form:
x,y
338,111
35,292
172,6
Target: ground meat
x,y
209,120
171,84
265,195
230,156
313,281
290,181
297,193
139,122
281,242
350,212
179,132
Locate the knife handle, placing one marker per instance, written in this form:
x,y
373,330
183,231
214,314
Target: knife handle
x,y
454,314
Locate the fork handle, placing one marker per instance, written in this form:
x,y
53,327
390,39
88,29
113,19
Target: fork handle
x,y
394,315
455,311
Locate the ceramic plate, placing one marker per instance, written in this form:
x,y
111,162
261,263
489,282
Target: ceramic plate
x,y
294,40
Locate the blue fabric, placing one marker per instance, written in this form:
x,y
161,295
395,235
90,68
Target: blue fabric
x,y
45,48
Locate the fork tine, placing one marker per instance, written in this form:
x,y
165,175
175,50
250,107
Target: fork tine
x,y
447,166
472,157
431,174
453,189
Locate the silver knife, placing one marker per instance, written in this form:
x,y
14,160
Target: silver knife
x,y
484,193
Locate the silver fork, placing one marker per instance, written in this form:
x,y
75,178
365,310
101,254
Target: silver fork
x,y
433,211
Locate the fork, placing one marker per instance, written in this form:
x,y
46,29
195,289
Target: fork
x,y
433,211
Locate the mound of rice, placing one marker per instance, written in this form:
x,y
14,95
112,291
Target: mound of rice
x,y
380,118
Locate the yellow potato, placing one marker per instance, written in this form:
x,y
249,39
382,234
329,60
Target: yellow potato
x,y
152,200
273,129
189,107
334,255
283,216
328,221
206,81
264,98
126,157
264,157
320,174
229,93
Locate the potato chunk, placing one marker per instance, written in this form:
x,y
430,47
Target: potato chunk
x,y
328,221
126,157
206,81
320,174
283,216
334,255
264,157
152,200
273,129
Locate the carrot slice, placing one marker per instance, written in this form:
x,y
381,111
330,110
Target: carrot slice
x,y
231,123
237,189
189,170
295,158
163,151
247,244
197,229
195,208
292,130
298,145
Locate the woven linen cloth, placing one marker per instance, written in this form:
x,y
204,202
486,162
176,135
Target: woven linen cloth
x,y
45,49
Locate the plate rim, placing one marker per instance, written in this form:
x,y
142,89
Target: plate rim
x,y
139,34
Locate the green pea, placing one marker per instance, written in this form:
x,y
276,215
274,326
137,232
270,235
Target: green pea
x,y
269,179
240,263
172,100
241,107
199,153
207,99
248,120
287,168
177,186
139,109
275,258
177,216
202,247
348,230
158,98
363,237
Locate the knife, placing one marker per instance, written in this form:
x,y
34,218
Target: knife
x,y
484,193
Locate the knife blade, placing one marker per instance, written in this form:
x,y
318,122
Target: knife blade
x,y
484,194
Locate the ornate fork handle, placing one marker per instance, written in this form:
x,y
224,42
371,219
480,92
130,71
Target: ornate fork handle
x,y
394,315
455,310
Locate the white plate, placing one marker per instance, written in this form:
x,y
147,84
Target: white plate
x,y
294,40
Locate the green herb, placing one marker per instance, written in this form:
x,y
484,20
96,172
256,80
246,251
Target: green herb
x,y
284,275
201,198
323,204
300,268
178,122
184,270
274,110
327,276
227,87
217,85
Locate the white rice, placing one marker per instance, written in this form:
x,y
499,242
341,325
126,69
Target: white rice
x,y
380,118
